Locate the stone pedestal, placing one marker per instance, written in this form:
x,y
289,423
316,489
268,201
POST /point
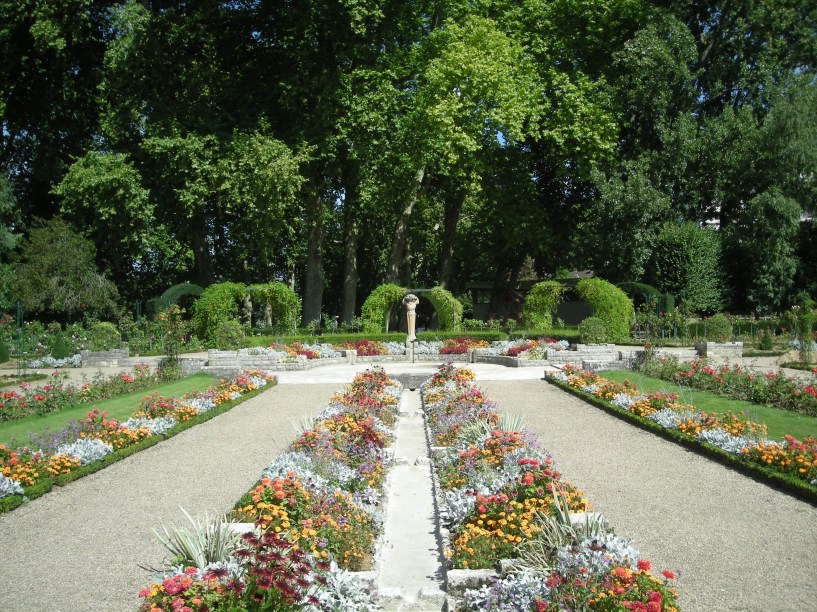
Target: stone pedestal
x,y
410,302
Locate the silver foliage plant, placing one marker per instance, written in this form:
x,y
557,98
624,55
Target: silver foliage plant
x,y
343,592
155,426
598,555
726,441
9,486
509,594
75,361
394,348
431,347
204,542
87,450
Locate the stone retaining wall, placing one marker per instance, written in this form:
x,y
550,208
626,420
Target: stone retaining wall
x,y
104,359
729,350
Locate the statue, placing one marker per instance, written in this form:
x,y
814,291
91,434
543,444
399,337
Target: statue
x,y
410,302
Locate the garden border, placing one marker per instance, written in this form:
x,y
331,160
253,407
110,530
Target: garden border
x,y
12,502
782,482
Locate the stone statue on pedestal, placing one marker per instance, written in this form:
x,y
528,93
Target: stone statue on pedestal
x,y
410,302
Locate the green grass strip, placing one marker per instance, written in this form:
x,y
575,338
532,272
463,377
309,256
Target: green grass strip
x,y
779,422
768,476
14,433
11,381
44,486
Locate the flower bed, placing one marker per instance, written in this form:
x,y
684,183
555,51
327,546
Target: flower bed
x,y
789,463
772,389
97,441
316,513
505,500
58,394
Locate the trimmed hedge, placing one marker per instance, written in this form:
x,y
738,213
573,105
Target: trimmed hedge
x,y
610,304
784,482
253,341
571,334
489,336
41,488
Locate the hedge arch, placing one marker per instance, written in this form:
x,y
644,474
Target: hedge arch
x,y
540,304
375,309
448,308
610,304
172,296
281,305
216,305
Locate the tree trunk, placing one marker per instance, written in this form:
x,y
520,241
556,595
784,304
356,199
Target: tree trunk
x,y
350,273
398,246
453,207
313,281
201,250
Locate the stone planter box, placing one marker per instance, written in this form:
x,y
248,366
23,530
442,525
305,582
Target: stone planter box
x,y
720,349
104,359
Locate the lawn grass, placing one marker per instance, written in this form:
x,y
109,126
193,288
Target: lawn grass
x,y
778,422
15,433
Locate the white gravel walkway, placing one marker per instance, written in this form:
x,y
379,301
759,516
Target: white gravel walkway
x,y
741,544
80,547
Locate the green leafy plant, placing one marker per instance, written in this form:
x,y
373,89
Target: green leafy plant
x,y
281,305
103,337
718,328
217,304
229,336
59,350
540,304
375,309
4,350
610,304
448,308
592,331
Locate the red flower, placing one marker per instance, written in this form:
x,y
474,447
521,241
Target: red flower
x,y
668,575
644,565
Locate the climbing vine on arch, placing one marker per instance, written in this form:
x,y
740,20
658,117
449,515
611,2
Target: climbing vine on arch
x,y
217,304
449,308
375,309
281,302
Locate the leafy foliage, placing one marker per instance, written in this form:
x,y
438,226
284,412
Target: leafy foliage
x,y
60,350
593,331
541,303
57,274
686,261
229,336
376,307
448,308
284,304
719,328
104,336
610,304
217,304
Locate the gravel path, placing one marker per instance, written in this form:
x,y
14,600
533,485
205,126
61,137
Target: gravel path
x,y
741,545
80,547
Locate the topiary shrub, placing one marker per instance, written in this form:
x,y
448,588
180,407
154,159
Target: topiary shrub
x,y
592,331
540,304
610,304
103,337
216,305
284,305
448,308
59,350
4,350
229,336
375,309
718,328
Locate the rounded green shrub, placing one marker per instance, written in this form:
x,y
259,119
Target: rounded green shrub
x,y
610,304
59,350
103,337
540,304
448,308
718,328
376,307
216,305
592,331
4,350
229,336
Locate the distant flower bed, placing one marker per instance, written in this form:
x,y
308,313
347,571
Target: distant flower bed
x,y
316,511
58,394
771,389
460,346
505,500
84,442
731,433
